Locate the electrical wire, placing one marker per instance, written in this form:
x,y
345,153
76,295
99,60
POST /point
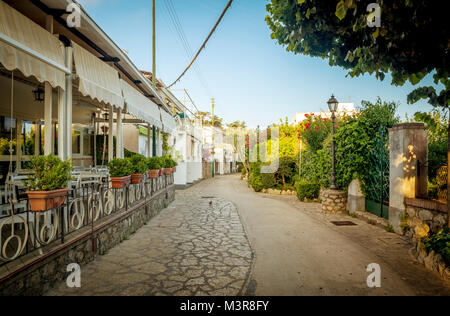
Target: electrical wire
x,y
179,31
205,42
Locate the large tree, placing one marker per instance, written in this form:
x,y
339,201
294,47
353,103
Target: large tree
x,y
411,41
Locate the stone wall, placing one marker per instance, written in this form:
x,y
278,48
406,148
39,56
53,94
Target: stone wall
x,y
424,217
82,247
334,201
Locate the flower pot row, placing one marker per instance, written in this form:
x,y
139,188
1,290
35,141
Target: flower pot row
x,y
47,188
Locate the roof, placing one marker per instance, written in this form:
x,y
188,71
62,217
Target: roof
x,y
91,37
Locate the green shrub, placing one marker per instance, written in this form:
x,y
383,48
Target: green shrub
x,y
138,164
307,189
287,170
153,163
268,180
257,184
432,190
167,162
120,168
50,173
440,243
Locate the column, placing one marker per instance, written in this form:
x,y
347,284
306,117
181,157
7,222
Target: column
x,y
158,142
149,148
62,147
111,135
119,135
48,135
408,146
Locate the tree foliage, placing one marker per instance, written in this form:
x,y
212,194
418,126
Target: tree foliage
x,y
412,42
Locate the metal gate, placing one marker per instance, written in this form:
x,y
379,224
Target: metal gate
x,y
377,195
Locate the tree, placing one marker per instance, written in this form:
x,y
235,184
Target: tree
x,y
237,124
411,42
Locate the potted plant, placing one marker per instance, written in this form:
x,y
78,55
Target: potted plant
x,y
161,165
138,168
47,188
174,165
120,171
167,165
153,166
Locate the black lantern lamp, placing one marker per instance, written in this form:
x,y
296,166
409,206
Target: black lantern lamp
x,y
39,95
333,106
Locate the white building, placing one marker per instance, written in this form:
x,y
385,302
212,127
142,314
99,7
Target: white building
x,y
224,153
343,109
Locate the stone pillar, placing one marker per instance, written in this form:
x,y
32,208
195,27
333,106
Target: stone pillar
x,y
334,202
356,200
408,146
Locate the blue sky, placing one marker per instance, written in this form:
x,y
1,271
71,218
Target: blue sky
x,y
251,77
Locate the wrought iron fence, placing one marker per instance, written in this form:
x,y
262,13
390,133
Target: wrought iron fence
x,y
441,181
23,231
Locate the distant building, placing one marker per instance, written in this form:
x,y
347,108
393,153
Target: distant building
x,y
343,109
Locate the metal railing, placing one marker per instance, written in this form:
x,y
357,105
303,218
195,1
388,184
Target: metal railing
x,y
23,231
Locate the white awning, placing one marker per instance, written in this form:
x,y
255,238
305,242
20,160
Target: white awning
x,y
26,46
169,124
140,106
98,80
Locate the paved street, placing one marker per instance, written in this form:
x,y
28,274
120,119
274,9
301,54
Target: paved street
x,y
197,246
202,245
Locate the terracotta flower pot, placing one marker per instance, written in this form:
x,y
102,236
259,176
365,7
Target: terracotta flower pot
x,y
167,171
41,201
153,174
160,172
119,183
174,169
136,178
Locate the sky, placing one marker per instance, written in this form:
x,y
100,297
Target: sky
x,y
251,77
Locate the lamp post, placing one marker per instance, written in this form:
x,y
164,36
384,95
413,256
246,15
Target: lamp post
x,y
332,105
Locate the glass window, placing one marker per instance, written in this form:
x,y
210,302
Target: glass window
x,y
28,138
8,126
76,142
87,144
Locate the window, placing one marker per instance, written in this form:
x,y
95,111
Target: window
x,y
8,126
87,144
76,142
28,138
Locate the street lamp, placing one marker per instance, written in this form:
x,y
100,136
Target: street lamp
x,y
333,105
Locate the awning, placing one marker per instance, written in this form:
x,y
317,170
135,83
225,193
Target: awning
x,y
140,106
26,46
169,125
98,80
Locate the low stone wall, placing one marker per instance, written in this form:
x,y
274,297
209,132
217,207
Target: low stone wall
x,y
423,217
334,201
278,192
36,277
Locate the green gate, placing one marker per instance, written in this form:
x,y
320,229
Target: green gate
x,y
377,197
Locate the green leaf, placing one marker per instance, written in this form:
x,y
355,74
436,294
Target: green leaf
x,y
341,10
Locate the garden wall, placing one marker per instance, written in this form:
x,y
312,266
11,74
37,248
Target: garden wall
x,y
36,277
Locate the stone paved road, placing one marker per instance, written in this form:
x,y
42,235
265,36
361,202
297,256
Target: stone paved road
x,y
197,246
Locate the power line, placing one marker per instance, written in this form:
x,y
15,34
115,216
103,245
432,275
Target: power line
x,y
179,31
205,42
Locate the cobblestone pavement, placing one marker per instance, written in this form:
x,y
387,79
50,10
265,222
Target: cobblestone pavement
x,y
197,246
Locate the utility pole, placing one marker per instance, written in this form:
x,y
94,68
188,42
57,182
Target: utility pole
x,y
213,147
154,70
